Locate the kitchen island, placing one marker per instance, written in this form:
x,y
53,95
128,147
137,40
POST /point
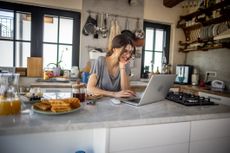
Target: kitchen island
x,y
106,127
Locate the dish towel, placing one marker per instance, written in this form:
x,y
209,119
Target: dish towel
x,y
114,30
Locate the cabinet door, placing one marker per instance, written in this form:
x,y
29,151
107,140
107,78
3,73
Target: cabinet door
x,y
128,139
50,142
218,145
210,136
176,148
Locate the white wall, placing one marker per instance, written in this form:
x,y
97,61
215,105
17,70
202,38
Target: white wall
x,y
155,11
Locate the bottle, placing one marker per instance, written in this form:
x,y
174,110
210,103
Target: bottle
x,y
157,72
85,77
195,77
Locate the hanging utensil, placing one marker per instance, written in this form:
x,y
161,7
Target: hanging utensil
x,y
97,28
139,33
126,31
104,29
90,26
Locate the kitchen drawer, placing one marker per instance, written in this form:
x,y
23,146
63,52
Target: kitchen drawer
x,y
149,136
210,129
177,148
216,98
220,145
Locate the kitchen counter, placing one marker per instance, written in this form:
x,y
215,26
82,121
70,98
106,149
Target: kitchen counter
x,y
107,115
137,85
205,89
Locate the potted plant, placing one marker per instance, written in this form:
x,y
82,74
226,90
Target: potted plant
x,y
56,69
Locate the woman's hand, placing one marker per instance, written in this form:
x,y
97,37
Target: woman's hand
x,y
124,93
123,62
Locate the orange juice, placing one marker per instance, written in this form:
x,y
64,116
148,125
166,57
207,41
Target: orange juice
x,y
10,107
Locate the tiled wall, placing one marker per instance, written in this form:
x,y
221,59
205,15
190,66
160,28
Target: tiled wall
x,y
213,60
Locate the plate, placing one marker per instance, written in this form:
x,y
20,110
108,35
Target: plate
x,y
53,113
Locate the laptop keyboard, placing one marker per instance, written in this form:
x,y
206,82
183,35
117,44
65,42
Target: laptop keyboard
x,y
131,99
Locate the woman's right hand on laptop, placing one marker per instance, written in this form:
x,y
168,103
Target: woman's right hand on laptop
x,y
124,93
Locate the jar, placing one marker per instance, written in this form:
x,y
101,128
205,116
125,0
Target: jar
x,y
9,95
79,91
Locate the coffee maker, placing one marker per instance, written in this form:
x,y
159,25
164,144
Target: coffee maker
x,y
184,74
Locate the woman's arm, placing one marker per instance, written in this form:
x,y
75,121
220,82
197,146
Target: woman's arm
x,y
91,87
124,79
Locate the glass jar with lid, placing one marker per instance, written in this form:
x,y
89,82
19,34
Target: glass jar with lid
x,y
9,97
79,91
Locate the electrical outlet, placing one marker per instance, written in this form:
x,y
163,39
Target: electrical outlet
x,y
211,74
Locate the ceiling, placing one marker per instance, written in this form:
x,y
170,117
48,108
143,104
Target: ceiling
x,y
171,3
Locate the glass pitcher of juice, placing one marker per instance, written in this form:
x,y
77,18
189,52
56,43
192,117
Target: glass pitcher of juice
x,y
9,96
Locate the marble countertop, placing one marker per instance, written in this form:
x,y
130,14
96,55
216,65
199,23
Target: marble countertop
x,y
105,114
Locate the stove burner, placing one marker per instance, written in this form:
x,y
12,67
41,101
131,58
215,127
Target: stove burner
x,y
188,99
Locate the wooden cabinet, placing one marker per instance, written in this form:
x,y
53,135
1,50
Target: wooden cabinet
x,y
202,26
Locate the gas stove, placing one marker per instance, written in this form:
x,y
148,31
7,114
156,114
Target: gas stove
x,y
188,99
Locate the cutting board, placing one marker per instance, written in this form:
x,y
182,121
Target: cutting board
x,y
34,66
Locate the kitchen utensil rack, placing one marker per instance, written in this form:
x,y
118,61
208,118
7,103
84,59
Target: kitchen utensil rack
x,y
113,15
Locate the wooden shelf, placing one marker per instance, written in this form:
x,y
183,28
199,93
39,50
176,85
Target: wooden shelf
x,y
220,19
205,11
200,49
199,19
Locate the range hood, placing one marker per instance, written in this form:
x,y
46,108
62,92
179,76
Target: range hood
x,y
223,35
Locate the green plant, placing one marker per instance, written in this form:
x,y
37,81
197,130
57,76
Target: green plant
x,y
57,64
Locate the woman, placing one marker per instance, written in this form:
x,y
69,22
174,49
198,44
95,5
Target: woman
x,y
110,74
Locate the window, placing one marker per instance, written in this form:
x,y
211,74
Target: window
x,y
30,31
15,37
57,41
155,53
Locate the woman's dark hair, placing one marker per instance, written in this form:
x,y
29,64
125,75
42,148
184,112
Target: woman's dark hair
x,y
119,41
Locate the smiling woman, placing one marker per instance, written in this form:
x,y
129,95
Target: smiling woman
x,y
110,74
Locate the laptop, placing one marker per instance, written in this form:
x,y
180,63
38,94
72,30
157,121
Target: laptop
x,y
156,90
